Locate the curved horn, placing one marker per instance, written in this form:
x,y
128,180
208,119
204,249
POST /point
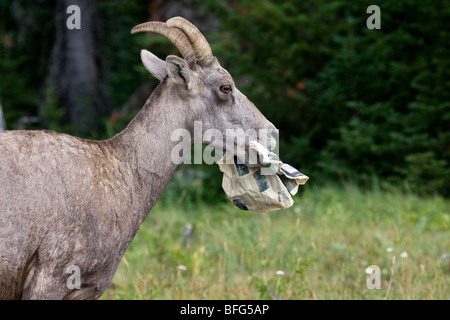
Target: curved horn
x,y
175,36
202,50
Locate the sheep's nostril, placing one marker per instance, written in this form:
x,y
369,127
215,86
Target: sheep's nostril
x,y
268,137
274,136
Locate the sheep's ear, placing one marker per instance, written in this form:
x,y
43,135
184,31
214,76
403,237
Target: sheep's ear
x,y
179,71
154,65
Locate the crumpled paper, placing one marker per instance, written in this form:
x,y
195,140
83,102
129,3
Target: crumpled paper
x,y
260,189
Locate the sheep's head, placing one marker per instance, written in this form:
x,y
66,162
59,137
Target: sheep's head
x,y
208,90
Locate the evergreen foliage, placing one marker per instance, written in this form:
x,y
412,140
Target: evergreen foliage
x,y
350,102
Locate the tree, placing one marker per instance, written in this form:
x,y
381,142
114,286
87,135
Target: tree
x,y
76,66
349,101
2,120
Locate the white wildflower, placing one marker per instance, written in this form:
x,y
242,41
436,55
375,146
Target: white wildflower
x,y
279,273
404,254
369,270
389,249
182,267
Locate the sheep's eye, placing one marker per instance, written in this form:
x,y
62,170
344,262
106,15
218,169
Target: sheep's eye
x,y
225,88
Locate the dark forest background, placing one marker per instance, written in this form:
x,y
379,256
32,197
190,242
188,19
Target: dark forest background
x,y
369,106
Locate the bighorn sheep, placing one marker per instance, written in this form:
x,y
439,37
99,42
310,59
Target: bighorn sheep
x,y
67,201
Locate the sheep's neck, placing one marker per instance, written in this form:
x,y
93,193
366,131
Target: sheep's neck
x,y
147,144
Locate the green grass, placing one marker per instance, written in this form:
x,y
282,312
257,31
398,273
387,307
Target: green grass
x,y
323,244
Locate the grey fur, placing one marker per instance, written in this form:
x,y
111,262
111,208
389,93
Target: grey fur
x,y
68,201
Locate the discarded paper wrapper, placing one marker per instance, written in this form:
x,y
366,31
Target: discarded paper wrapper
x,y
253,189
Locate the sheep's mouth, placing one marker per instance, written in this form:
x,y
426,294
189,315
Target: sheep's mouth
x,y
244,155
239,145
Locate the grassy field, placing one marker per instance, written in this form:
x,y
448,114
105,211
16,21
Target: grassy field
x,y
318,249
